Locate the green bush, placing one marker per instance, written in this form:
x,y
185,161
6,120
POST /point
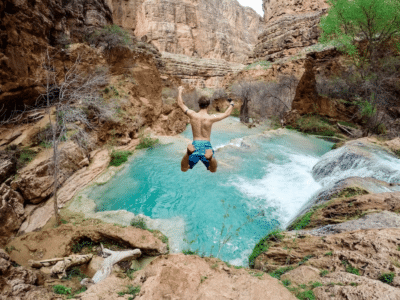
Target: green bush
x,y
306,258
189,252
316,284
315,124
262,245
26,156
387,277
78,246
279,272
61,290
132,290
323,273
147,142
139,223
112,35
306,295
350,268
119,157
347,124
286,282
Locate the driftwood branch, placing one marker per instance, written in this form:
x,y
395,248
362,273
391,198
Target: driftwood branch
x,y
113,258
61,267
345,129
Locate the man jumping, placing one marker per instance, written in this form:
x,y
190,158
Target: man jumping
x,y
201,122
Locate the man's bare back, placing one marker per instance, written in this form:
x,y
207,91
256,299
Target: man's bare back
x,y
201,123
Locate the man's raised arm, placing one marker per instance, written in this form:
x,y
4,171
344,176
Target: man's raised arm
x,y
226,114
180,101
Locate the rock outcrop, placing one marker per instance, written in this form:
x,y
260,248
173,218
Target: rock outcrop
x,y
12,212
198,72
20,283
30,26
290,26
180,276
58,242
220,29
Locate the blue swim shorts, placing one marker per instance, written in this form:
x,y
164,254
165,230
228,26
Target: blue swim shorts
x,y
199,154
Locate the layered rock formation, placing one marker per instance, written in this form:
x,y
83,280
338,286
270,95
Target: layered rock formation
x,y
291,25
220,29
198,72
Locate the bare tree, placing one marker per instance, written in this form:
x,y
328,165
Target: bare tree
x,y
70,94
265,99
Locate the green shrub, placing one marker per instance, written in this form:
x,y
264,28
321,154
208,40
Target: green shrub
x,y
75,272
316,284
380,129
350,268
353,284
306,295
323,273
78,246
119,157
112,35
262,245
61,290
81,290
330,253
132,290
147,142
387,277
189,252
26,156
350,192
314,124
286,282
279,272
139,223
347,124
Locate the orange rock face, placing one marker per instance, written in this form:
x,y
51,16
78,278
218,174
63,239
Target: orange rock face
x,y
221,29
291,25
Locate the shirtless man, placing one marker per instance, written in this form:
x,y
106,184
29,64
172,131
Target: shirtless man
x,y
201,122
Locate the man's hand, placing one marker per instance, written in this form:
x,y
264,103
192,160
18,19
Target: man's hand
x,y
180,89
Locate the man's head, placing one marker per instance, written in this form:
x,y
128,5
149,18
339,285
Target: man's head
x,y
204,102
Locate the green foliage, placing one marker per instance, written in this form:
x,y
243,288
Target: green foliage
x,y
316,284
132,290
387,277
306,295
189,252
346,19
264,64
286,282
10,249
78,246
330,253
323,273
139,223
146,141
302,221
315,124
350,268
380,129
119,157
306,258
26,156
353,284
61,290
367,109
263,245
75,272
120,36
79,291
279,272
350,192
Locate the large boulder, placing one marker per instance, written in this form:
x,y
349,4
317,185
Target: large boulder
x,y
12,213
36,181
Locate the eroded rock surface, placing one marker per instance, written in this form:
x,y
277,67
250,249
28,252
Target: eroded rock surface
x,y
20,283
290,26
178,276
12,212
220,29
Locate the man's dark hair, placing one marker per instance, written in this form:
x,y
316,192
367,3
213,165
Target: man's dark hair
x,y
204,102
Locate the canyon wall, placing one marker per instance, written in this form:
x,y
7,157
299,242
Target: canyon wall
x,y
27,28
220,29
291,25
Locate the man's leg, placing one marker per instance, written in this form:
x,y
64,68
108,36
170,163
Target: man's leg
x,y
213,162
185,160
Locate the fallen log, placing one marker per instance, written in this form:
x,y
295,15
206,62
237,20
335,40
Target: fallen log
x,y
60,268
113,258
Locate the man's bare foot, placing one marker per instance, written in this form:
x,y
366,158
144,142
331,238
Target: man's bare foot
x,y
190,149
208,154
